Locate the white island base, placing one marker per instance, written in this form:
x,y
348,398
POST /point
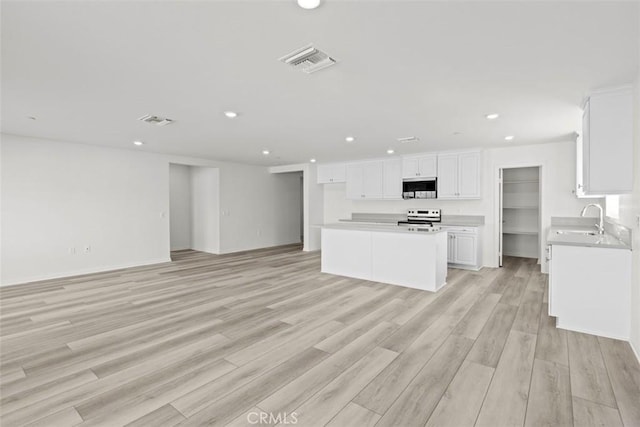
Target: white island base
x,y
386,254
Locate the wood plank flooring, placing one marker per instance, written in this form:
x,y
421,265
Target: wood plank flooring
x,y
262,337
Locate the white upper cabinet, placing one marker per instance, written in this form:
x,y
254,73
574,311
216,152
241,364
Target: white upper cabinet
x,y
459,176
392,176
331,173
425,166
605,149
365,180
448,176
469,176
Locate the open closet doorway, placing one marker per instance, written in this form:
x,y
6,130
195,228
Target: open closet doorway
x,y
301,204
180,207
519,214
290,188
194,208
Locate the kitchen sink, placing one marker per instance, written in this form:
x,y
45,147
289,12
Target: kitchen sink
x,y
579,232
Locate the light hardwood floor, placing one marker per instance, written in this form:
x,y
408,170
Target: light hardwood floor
x,y
216,339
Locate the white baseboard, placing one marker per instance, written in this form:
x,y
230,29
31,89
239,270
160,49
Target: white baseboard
x,y
464,267
80,272
561,325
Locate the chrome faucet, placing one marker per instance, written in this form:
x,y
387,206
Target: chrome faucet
x,y
600,223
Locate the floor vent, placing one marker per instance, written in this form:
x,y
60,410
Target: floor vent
x,y
155,120
308,59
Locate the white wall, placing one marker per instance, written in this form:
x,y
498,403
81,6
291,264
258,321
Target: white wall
x,y
205,209
558,161
630,217
180,206
58,195
257,208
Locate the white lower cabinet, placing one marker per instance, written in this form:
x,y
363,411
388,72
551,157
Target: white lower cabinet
x,y
590,289
463,247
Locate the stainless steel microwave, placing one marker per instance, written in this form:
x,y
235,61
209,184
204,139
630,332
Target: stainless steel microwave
x,y
420,188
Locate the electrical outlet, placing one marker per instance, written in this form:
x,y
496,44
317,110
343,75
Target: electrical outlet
x,y
87,249
638,221
72,251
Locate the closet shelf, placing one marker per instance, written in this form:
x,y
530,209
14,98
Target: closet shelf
x,y
522,232
524,181
519,207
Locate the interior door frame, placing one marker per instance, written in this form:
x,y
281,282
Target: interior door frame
x,y
498,204
500,212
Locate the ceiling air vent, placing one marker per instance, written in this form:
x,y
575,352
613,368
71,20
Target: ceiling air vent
x,y
308,59
408,139
155,120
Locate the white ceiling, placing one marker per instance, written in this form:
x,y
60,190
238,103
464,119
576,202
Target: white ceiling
x,y
87,70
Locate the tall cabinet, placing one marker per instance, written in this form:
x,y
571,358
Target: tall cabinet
x,y
521,212
605,148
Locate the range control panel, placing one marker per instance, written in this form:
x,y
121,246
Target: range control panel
x,y
424,213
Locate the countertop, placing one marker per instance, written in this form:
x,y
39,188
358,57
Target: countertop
x,y
598,241
393,218
383,228
452,223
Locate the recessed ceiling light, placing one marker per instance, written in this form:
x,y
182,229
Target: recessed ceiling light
x,y
31,118
308,4
350,139
509,138
492,116
312,160
138,143
457,133
231,114
390,151
266,152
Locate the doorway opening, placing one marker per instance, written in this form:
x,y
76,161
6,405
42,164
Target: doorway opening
x,y
194,222
301,205
519,214
290,187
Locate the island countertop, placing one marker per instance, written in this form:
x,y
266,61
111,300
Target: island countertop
x,y
383,228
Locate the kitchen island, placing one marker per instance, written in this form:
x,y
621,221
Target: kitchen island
x,y
407,256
